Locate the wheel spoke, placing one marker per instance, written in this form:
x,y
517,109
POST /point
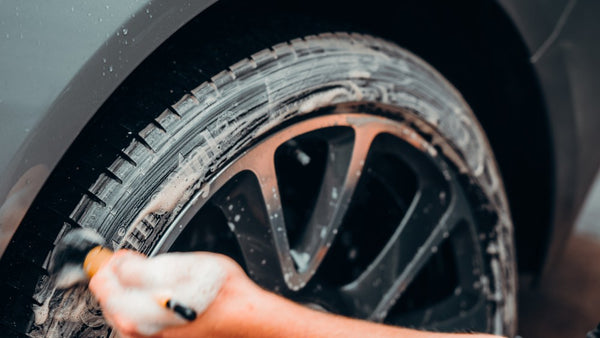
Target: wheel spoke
x,y
465,306
345,159
269,191
253,210
428,221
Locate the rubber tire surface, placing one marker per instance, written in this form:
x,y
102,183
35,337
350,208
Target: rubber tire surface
x,y
135,200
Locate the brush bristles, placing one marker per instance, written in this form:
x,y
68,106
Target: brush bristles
x,y
69,253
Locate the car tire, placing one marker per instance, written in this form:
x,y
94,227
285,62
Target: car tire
x,y
143,199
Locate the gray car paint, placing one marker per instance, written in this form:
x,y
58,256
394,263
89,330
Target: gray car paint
x,y
59,64
563,43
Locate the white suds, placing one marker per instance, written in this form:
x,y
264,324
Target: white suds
x,y
190,279
301,259
41,312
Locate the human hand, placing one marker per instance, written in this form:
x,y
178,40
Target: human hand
x,y
131,288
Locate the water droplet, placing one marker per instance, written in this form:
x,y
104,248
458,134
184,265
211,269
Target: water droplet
x,y
230,207
236,218
231,226
434,249
263,262
334,193
125,31
110,68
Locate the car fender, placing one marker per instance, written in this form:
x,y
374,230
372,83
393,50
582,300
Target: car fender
x,y
47,67
562,40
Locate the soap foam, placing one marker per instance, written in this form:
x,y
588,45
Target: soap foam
x,y
193,280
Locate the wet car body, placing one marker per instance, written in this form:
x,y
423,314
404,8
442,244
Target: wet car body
x,y
59,64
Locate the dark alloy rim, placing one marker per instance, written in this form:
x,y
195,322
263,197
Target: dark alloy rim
x,y
350,213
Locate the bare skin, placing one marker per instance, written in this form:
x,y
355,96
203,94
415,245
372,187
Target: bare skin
x,y
240,309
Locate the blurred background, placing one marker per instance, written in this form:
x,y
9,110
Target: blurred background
x,y
566,301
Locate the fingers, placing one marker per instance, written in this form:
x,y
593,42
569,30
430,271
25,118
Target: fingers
x,y
104,284
131,310
137,311
131,267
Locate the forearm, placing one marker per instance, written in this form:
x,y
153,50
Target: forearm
x,y
271,316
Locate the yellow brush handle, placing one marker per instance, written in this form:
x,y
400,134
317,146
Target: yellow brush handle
x,y
95,259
